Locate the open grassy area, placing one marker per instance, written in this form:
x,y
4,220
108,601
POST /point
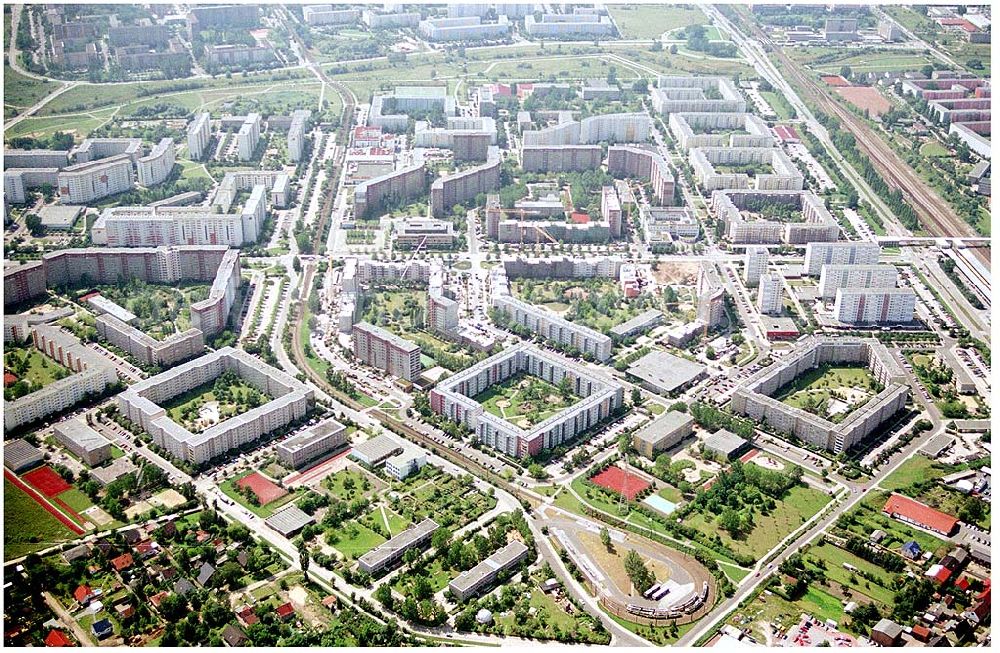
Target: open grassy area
x,y
161,310
23,92
229,488
833,559
830,391
27,526
651,21
525,400
29,364
916,468
355,539
210,403
933,148
777,101
451,501
867,516
349,484
790,513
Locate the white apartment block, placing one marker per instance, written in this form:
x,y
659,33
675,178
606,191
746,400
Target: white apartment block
x,y
90,181
146,226
469,28
327,15
314,444
442,313
155,167
740,212
770,293
687,95
297,133
835,277
845,253
703,130
248,136
611,210
199,134
291,401
874,305
646,164
607,128
35,159
599,396
18,181
386,351
146,349
569,25
375,20
91,149
92,375
754,264
552,327
784,173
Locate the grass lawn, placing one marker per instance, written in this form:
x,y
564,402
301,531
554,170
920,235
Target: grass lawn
x,y
778,102
524,400
671,493
834,558
40,370
916,468
76,500
356,539
820,604
650,21
659,635
27,526
799,505
436,576
933,148
983,225
348,484
187,403
655,408
21,91
228,488
817,389
867,516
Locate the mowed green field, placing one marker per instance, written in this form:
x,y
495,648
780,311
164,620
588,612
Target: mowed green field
x,y
21,91
41,370
834,558
651,21
27,526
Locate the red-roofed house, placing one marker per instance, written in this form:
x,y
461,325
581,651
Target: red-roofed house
x,y
285,612
9,379
923,633
83,594
913,512
147,548
157,598
122,562
58,638
786,134
246,616
501,90
939,573
962,583
579,218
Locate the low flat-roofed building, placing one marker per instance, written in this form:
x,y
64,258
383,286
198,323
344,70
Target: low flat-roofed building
x,y
82,441
404,464
664,373
726,444
662,433
103,306
913,512
59,216
471,582
19,455
117,469
937,445
375,451
316,443
289,521
638,324
391,552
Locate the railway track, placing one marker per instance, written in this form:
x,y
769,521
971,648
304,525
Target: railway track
x,y
934,213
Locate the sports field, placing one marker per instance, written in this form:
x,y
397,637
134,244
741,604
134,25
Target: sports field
x,y
615,479
265,490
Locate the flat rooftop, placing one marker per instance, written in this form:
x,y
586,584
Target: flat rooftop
x,y
288,520
665,371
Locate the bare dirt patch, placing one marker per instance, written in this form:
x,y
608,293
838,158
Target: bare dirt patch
x,y
674,273
865,97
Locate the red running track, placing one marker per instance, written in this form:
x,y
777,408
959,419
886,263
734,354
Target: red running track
x,y
40,500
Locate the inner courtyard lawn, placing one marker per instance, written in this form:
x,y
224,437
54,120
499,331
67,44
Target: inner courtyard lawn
x,y
830,391
32,370
525,400
213,402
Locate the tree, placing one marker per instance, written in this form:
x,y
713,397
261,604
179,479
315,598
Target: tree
x,y
636,397
34,225
304,559
640,575
383,594
536,471
845,72
606,538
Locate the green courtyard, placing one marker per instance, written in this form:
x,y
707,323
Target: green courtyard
x,y
830,391
31,370
525,400
161,311
213,402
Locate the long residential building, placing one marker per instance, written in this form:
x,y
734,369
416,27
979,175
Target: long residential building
x,y
316,443
599,398
17,182
199,133
816,223
375,20
146,349
92,375
394,187
707,162
553,327
386,351
569,26
561,158
35,159
465,185
646,164
87,182
874,305
841,253
147,226
389,553
468,28
834,277
754,397
290,401
155,167
327,15
472,582
688,95
715,129
605,128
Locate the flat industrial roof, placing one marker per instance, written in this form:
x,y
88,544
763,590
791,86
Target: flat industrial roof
x,y
404,540
724,442
77,431
19,454
377,448
288,520
59,216
662,426
665,371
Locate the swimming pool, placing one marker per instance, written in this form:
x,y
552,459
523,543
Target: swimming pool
x,y
657,502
